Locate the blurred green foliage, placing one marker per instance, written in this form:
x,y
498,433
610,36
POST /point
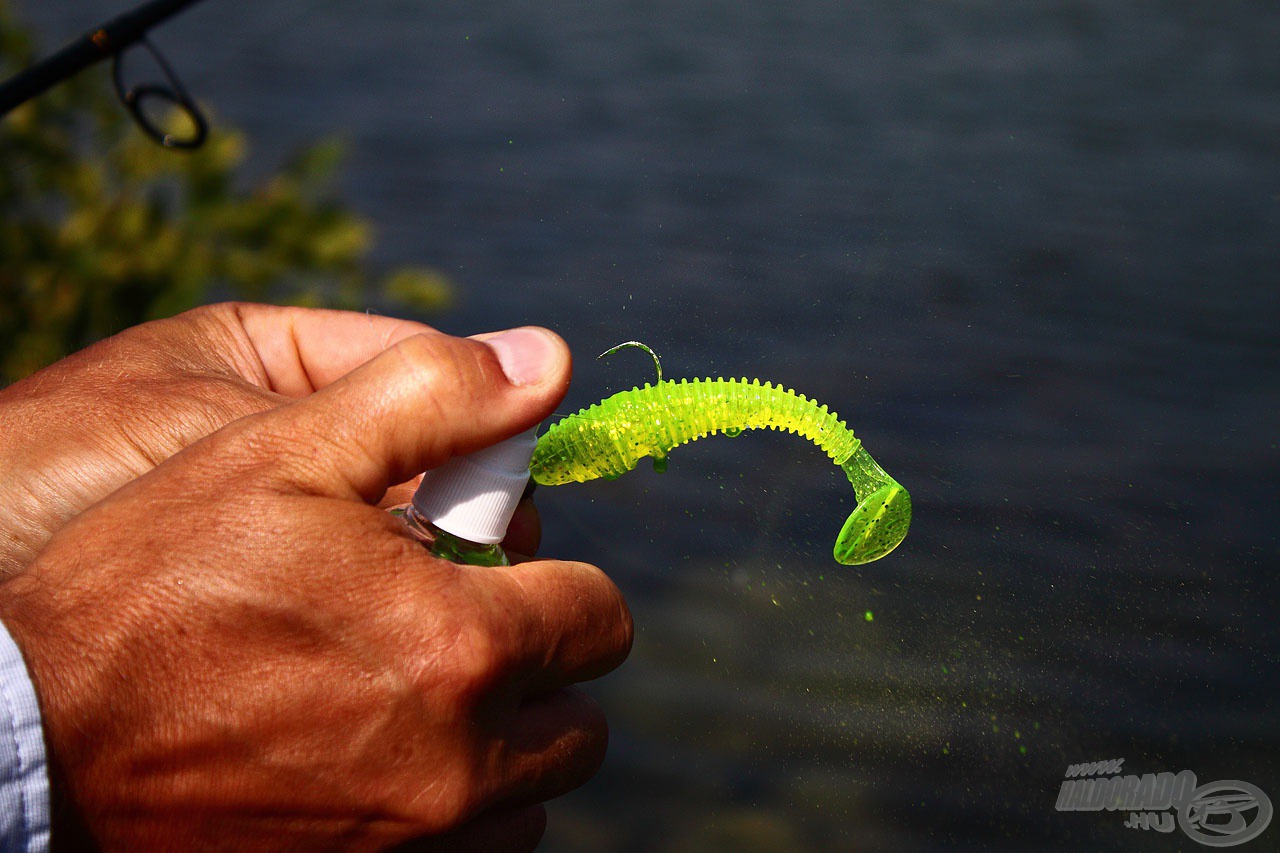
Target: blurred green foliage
x,y
100,228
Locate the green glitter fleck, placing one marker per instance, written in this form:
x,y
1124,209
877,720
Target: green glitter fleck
x,y
868,616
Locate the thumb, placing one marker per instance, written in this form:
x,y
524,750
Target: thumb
x,y
426,399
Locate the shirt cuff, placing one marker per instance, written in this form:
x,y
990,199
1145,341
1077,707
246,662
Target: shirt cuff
x,y
24,777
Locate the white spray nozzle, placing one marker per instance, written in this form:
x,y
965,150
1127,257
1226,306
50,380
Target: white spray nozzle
x,y
474,496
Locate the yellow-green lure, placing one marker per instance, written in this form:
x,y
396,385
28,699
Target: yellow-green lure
x,y
611,437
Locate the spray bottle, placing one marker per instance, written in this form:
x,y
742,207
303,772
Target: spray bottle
x,y
461,510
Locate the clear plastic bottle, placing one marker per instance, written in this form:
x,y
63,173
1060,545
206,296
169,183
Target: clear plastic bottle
x,y
461,510
444,544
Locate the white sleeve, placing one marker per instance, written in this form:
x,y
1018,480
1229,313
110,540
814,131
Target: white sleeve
x,y
24,779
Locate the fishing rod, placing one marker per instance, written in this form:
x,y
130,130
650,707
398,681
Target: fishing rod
x,y
110,41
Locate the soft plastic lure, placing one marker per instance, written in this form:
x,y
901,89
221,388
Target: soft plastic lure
x,y
611,437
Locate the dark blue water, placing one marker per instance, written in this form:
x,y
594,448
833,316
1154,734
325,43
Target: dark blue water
x,y
1030,251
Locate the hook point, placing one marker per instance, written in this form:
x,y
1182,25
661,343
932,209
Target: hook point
x,y
657,363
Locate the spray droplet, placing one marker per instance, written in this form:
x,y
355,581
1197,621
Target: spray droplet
x,y
660,464
733,432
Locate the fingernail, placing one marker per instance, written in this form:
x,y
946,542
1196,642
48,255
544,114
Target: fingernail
x,y
525,355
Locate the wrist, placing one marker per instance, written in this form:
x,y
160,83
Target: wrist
x,y
22,610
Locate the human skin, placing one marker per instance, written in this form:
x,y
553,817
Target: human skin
x,y
74,432
238,649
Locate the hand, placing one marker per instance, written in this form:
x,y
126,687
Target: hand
x,y
79,429
237,649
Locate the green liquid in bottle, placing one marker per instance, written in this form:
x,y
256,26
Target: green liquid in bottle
x,y
445,545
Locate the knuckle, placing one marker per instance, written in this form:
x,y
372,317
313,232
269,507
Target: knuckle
x,y
624,629
592,724
434,357
257,449
477,662
453,804
426,355
613,607
582,740
253,438
595,745
442,802
612,613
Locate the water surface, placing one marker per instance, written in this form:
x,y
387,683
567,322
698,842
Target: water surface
x,y
1030,252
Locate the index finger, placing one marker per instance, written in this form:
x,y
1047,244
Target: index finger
x,y
301,350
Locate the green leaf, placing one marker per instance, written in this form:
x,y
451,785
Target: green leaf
x,y
102,229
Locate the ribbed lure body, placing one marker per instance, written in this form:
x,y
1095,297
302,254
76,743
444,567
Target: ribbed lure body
x,y
611,437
